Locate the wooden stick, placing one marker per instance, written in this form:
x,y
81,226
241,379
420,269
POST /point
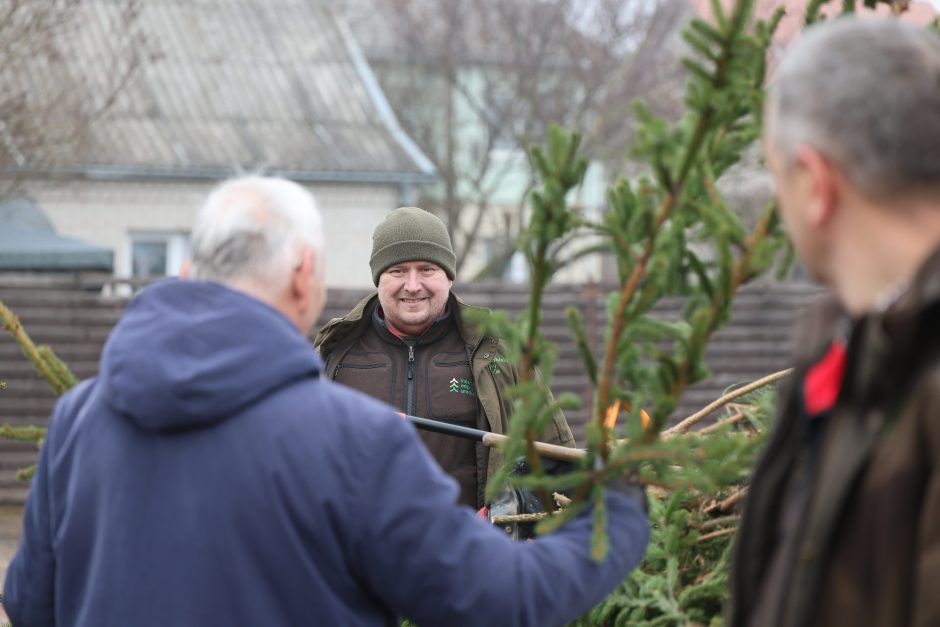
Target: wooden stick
x,y
724,422
519,518
552,451
684,426
490,440
717,534
717,522
729,502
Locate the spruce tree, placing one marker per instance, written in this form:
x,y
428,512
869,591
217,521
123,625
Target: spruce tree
x,y
672,234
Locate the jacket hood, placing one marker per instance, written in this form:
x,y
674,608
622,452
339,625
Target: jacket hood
x,y
187,354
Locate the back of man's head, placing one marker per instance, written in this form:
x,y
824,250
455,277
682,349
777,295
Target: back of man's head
x,y
252,230
865,93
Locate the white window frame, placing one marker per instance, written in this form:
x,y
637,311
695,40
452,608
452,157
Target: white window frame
x,y
177,249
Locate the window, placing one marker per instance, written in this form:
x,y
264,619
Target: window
x,y
148,259
153,255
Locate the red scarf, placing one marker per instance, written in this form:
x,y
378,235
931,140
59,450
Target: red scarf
x,y
823,381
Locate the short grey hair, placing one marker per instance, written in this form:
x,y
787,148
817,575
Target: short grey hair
x,y
865,93
254,228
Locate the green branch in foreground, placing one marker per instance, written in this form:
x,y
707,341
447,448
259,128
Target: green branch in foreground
x,y
47,364
22,434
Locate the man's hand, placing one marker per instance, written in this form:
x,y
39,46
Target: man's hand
x,y
631,487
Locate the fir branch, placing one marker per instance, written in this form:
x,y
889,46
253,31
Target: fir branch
x,y
742,270
669,202
25,474
22,434
560,169
812,11
49,368
576,326
64,376
719,302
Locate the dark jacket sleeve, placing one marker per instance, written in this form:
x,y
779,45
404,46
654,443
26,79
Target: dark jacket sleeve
x,y
926,605
437,564
29,590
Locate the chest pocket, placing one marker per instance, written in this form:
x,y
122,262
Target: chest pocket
x,y
372,373
450,393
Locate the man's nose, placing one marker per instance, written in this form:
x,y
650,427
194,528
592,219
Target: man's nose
x,y
412,281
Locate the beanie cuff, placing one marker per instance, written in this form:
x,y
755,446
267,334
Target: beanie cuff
x,y
412,250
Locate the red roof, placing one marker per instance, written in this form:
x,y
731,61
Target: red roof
x,y
918,13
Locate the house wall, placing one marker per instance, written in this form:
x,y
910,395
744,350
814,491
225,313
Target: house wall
x,y
589,198
107,213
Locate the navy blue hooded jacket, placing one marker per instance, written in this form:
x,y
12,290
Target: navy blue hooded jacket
x,y
209,476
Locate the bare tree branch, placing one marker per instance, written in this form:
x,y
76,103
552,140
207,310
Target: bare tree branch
x,y
470,78
47,102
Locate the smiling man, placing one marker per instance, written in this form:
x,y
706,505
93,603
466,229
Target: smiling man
x,y
412,346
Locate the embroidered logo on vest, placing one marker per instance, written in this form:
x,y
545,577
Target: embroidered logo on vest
x,y
494,364
462,386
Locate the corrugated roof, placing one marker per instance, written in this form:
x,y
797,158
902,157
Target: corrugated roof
x,y
278,85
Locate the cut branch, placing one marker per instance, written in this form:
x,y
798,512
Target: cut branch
x,y
686,424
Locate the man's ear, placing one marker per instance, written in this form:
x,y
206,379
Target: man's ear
x,y
184,270
824,185
301,284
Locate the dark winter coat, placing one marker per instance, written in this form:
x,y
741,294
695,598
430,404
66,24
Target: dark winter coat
x,y
493,374
863,548
210,476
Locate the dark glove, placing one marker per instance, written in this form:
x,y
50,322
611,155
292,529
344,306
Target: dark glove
x,y
555,467
550,466
514,501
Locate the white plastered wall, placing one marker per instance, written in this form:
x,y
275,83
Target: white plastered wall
x,y
106,213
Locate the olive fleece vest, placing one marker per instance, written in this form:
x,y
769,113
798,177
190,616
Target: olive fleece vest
x,y
427,376
493,374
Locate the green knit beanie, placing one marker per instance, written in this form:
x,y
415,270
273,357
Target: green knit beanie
x,y
411,234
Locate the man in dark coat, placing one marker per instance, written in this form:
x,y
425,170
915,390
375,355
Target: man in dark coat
x,y
842,522
416,346
210,475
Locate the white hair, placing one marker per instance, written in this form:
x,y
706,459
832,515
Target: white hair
x,y
255,228
866,94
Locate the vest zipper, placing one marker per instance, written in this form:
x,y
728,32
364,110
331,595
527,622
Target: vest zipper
x,y
410,390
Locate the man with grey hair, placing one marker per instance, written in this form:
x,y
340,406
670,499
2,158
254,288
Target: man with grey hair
x,y
842,523
210,475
